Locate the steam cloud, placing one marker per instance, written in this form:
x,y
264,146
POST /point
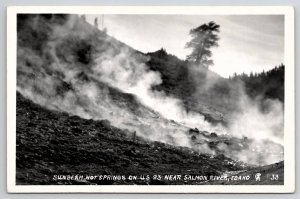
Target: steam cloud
x,y
116,84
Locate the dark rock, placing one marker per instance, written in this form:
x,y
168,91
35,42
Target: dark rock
x,y
88,122
76,130
213,135
194,131
193,138
130,152
31,124
74,117
73,123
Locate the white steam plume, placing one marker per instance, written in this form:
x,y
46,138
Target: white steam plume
x,y
153,114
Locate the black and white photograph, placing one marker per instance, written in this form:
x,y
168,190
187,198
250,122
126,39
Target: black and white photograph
x,y
151,100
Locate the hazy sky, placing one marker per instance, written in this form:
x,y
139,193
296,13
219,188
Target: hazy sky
x,y
247,42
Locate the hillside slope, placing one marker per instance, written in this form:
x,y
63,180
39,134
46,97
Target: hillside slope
x,y
51,143
208,93
62,63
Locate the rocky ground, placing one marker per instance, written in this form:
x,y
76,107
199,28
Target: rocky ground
x,y
54,147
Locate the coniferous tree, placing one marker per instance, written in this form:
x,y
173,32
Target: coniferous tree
x,y
204,37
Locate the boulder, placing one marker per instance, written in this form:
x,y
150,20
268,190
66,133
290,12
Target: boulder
x,y
194,131
213,135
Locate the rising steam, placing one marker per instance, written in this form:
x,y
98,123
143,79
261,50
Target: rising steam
x,y
113,82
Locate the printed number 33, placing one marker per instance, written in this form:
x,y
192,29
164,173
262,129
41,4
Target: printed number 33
x,y
274,177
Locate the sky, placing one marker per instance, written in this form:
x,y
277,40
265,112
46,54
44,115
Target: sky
x,y
248,43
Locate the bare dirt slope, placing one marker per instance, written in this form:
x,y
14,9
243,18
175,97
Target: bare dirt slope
x,y
53,143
